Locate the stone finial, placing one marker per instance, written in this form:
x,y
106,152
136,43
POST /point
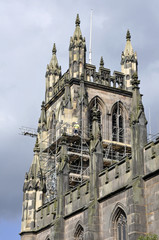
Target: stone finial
x,y
101,62
54,49
36,148
128,36
77,22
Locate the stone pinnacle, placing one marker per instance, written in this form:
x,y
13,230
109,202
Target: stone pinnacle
x,y
128,36
54,49
77,20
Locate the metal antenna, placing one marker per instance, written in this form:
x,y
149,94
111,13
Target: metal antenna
x,y
90,40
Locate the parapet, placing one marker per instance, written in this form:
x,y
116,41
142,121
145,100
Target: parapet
x,y
151,156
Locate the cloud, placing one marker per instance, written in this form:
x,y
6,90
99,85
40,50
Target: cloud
x,y
28,30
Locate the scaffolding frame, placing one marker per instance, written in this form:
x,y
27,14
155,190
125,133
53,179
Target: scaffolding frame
x,y
77,150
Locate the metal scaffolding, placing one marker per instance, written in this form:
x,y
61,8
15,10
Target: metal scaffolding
x,y
78,152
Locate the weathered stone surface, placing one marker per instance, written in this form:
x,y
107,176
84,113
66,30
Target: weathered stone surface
x,y
92,169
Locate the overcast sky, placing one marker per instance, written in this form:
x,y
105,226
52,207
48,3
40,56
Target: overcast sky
x,y
28,30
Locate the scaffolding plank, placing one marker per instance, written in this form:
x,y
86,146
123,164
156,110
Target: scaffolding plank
x,y
75,175
117,145
109,162
78,154
68,138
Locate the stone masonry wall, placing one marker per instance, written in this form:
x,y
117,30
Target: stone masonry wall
x,y
152,186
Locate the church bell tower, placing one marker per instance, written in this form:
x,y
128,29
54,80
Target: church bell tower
x,y
86,179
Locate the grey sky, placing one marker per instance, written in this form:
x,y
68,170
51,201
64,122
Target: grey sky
x,y
28,30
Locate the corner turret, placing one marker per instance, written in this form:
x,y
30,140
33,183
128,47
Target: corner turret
x,y
129,62
77,52
34,188
53,73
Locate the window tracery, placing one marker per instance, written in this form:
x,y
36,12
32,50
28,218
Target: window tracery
x,y
118,123
79,233
121,227
119,221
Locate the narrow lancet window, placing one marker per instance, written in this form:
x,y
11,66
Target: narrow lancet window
x,y
118,123
79,233
120,225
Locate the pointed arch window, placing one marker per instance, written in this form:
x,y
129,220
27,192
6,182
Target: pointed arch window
x,y
120,225
47,238
79,233
118,123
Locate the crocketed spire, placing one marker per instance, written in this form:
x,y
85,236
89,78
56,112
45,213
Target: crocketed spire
x,y
54,63
77,38
77,50
128,61
53,67
128,48
77,20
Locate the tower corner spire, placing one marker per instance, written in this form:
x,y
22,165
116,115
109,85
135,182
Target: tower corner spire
x,y
77,52
53,74
129,63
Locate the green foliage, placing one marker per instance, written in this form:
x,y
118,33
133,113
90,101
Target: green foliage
x,y
149,237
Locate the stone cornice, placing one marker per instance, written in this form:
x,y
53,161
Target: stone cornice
x,y
89,85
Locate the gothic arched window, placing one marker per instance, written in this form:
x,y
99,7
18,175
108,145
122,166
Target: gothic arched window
x,y
120,225
47,238
79,233
118,123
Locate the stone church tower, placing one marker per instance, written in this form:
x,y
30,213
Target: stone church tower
x,y
93,175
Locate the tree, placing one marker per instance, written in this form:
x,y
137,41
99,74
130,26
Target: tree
x,y
149,237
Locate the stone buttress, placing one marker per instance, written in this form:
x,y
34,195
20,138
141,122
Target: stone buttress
x,y
91,173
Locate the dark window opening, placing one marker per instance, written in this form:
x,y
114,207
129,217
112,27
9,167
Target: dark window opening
x,y
79,233
118,123
121,227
